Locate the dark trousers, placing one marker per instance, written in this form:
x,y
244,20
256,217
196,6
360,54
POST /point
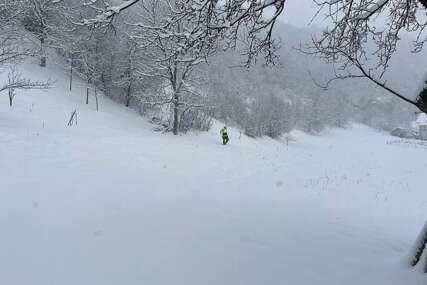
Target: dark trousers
x,y
225,139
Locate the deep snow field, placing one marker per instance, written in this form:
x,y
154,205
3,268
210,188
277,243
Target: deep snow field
x,y
110,202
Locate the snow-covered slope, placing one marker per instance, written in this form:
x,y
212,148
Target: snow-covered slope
x,y
111,202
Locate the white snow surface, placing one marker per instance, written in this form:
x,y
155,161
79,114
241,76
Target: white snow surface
x,y
110,202
420,120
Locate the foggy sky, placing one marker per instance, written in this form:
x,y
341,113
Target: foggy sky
x,y
299,13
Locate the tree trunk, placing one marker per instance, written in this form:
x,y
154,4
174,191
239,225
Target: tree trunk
x,y
424,2
419,248
96,99
43,54
87,95
128,93
175,114
71,73
10,97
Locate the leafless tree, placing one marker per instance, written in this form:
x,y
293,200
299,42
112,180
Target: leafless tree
x,y
173,41
16,81
361,46
127,77
178,35
249,22
13,48
40,20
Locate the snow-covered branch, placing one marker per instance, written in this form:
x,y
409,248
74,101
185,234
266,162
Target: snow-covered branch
x,y
233,21
354,38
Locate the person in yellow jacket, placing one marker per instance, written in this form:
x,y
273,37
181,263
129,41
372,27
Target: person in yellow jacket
x,y
224,134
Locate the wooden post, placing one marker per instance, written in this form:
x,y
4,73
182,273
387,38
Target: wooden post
x,y
96,99
87,95
73,118
10,96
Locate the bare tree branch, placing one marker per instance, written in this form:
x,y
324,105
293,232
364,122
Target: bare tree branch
x,y
353,31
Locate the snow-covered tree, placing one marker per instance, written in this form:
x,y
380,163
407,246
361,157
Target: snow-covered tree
x,y
173,40
127,77
42,19
13,48
247,21
16,81
11,44
363,46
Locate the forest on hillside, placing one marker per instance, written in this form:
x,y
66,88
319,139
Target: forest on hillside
x,y
181,81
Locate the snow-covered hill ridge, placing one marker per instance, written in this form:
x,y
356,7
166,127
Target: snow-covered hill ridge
x,y
109,201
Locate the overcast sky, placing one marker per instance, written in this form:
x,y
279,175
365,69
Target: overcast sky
x,y
299,12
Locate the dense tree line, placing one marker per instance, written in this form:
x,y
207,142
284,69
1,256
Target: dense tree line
x,y
163,61
272,101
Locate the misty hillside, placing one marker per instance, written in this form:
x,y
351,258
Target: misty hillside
x,y
261,100
290,92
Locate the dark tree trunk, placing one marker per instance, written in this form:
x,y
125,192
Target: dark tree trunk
x,y
10,97
71,73
128,95
87,95
96,99
422,100
43,56
175,114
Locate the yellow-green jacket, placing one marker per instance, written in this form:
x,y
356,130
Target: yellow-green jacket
x,y
223,132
